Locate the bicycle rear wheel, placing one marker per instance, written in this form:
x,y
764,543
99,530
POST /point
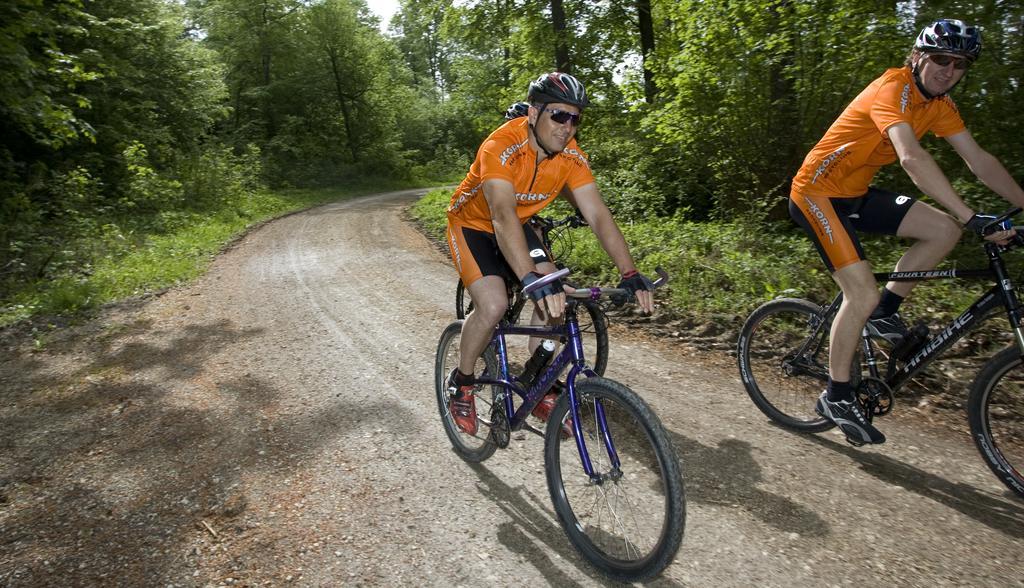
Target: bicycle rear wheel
x,y
995,410
783,361
629,523
478,447
463,303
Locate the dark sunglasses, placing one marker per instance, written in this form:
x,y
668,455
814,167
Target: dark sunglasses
x,y
563,116
944,60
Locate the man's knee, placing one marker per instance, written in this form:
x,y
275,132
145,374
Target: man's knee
x,y
861,301
948,232
491,308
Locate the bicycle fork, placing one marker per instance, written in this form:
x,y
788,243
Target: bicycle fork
x,y
604,433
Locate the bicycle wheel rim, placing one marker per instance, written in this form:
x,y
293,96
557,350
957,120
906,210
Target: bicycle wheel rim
x,y
783,370
999,426
631,525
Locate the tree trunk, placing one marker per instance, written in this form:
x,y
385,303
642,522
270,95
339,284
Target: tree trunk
x,y
646,24
784,116
561,42
345,114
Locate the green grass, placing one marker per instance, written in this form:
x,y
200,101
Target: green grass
x,y
151,263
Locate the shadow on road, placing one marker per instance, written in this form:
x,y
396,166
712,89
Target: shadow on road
x,y
117,451
1000,515
533,521
727,475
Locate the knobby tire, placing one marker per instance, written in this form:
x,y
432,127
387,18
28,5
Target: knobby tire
x,y
995,410
631,525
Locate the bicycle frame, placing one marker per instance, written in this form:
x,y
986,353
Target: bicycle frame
x,y
570,355
1001,294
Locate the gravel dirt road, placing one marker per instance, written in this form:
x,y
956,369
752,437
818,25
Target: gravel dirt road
x,y
274,423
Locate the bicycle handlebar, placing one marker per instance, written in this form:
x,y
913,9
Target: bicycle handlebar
x,y
545,280
595,292
573,220
997,224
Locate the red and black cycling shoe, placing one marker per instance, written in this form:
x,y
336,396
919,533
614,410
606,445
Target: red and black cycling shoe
x,y
462,405
543,409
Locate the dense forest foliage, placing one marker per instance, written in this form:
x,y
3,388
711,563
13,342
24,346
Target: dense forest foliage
x,y
128,119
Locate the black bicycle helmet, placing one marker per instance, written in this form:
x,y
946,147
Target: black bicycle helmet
x,y
517,110
557,87
950,36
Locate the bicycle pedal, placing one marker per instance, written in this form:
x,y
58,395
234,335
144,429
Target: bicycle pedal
x,y
854,442
532,429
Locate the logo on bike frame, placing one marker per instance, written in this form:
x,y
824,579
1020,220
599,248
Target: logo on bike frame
x,y
958,325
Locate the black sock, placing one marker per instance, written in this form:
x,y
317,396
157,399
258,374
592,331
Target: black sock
x,y
839,391
888,304
462,379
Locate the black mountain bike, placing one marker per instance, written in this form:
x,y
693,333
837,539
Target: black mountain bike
x,y
783,360
556,237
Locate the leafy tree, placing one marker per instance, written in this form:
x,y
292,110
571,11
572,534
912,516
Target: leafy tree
x,y
103,104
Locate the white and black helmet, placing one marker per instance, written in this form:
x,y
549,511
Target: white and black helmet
x,y
950,36
517,110
558,87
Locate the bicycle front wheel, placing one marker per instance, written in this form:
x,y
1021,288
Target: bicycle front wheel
x,y
594,331
477,447
783,361
628,520
995,409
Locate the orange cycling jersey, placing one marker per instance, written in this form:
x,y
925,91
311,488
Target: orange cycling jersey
x,y
845,160
507,155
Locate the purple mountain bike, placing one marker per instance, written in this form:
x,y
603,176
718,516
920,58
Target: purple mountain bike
x,y
615,481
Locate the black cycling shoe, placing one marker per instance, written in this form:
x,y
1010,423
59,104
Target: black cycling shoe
x,y
891,328
849,417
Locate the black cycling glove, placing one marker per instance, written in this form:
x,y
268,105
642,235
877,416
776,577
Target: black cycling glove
x,y
546,290
977,223
634,281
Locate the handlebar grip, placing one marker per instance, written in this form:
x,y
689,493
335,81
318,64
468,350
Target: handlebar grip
x,y
547,279
618,296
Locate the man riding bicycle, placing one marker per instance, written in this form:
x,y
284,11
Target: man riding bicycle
x,y
519,170
831,198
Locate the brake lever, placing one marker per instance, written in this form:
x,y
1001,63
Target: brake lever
x,y
1001,222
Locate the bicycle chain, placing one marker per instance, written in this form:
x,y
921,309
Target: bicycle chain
x,y
501,434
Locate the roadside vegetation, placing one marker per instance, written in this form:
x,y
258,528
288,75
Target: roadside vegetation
x,y
726,269
141,136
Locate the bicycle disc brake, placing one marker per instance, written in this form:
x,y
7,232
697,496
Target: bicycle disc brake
x,y
500,432
875,397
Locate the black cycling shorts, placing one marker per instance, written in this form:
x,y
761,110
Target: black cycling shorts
x,y
476,253
832,223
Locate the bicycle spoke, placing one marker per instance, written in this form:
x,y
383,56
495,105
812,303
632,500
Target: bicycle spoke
x,y
995,409
783,355
476,447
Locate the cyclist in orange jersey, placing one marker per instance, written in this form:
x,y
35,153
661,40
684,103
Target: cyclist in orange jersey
x,y
520,169
831,198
